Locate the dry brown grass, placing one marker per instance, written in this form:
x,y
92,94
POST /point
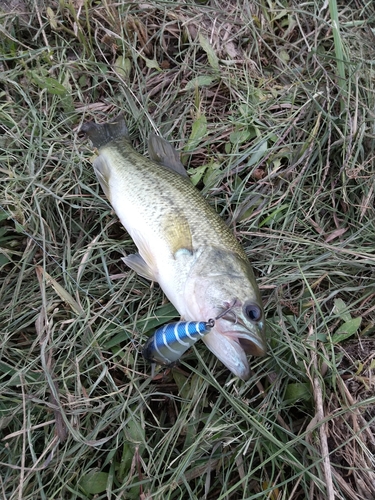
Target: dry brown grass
x,y
273,111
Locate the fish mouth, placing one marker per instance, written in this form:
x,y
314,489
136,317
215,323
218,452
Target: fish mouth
x,y
255,347
229,352
252,341
231,342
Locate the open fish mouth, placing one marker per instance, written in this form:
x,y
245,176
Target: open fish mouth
x,y
234,337
228,350
252,343
253,347
231,325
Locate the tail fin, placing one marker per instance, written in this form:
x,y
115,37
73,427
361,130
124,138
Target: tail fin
x,y
102,134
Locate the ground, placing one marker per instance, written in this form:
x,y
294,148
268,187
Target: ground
x,y
271,105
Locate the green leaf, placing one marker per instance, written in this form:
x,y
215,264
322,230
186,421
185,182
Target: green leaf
x,y
346,330
203,173
240,136
50,84
257,153
200,81
94,482
161,315
52,18
7,371
152,64
182,384
67,103
297,392
197,173
127,456
119,337
284,56
198,131
275,215
103,68
123,66
211,56
134,432
341,309
210,175
3,260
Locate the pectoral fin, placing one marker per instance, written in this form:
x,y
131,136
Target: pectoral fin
x,y
143,262
163,153
135,262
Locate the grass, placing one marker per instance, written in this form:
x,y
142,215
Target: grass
x,y
272,107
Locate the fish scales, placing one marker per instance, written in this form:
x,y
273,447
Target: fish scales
x,y
183,244
160,191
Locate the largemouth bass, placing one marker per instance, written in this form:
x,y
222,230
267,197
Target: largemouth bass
x,y
183,243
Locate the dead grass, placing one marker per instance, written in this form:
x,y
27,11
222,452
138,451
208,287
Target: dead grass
x,y
273,111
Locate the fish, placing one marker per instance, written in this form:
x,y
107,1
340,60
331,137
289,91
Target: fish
x,y
170,341
183,244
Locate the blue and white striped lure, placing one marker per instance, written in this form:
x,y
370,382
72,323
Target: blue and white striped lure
x,y
169,342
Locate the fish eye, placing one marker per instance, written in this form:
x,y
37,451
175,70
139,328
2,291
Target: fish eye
x,y
252,311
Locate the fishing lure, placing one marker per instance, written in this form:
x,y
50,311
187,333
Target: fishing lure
x,y
169,342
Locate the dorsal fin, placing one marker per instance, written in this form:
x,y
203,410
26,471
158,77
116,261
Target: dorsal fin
x,y
163,153
101,134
